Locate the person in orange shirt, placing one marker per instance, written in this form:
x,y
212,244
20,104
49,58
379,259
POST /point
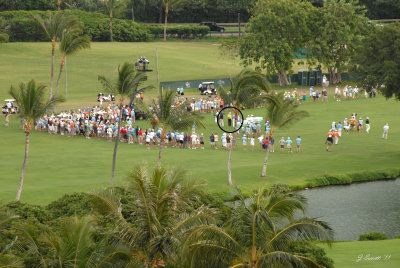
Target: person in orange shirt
x,y
336,136
330,133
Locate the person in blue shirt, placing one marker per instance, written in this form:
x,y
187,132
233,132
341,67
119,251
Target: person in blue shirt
x,y
298,142
244,142
289,145
212,140
311,92
340,126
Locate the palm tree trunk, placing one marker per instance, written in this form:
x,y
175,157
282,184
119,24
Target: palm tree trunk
x,y
21,180
165,22
59,75
111,25
161,145
53,48
229,165
264,169
116,145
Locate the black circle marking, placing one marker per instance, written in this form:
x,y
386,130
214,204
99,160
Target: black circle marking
x,y
241,115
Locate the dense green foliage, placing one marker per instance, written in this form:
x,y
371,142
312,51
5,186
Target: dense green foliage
x,y
22,26
181,32
372,236
160,218
377,61
275,30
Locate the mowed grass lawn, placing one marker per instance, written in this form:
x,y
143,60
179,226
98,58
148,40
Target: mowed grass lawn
x,y
373,254
20,62
59,165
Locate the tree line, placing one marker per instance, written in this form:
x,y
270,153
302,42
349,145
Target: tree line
x,y
188,11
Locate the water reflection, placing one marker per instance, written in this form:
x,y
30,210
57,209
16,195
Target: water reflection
x,y
358,208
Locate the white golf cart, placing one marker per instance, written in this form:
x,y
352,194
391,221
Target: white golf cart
x,y
207,88
9,107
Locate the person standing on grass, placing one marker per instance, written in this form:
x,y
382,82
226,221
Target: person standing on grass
x,y
266,143
367,125
212,140
336,136
252,143
244,142
360,124
271,144
8,119
346,126
298,144
289,145
329,142
385,131
340,126
229,119
282,143
221,119
216,140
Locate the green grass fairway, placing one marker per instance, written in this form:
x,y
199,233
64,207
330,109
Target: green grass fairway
x,y
59,165
346,254
20,62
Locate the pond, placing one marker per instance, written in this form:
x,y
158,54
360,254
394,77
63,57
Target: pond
x,y
358,208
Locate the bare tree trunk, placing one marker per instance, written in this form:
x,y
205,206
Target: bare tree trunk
x,y
165,22
111,26
59,75
116,145
53,48
264,169
229,165
161,145
283,81
338,77
21,180
332,75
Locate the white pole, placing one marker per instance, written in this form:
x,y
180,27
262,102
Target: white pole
x,y
158,80
66,78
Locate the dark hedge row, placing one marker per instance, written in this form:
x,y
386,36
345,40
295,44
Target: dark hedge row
x,y
22,27
181,32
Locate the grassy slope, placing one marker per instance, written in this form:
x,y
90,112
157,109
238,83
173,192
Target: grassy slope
x,y
59,165
345,254
177,61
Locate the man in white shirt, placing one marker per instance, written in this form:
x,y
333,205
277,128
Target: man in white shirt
x,y
385,131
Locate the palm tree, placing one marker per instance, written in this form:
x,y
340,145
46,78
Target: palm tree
x,y
73,244
169,4
281,113
124,87
8,260
162,204
257,234
30,99
53,27
71,43
114,7
177,118
244,91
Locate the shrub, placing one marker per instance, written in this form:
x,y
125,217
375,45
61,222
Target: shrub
x,y
27,211
24,28
181,31
372,236
77,204
309,249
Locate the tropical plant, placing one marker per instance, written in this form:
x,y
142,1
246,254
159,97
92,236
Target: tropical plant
x,y
8,260
53,26
257,234
71,43
169,4
3,29
114,7
124,87
73,244
281,113
162,214
165,114
30,99
244,92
